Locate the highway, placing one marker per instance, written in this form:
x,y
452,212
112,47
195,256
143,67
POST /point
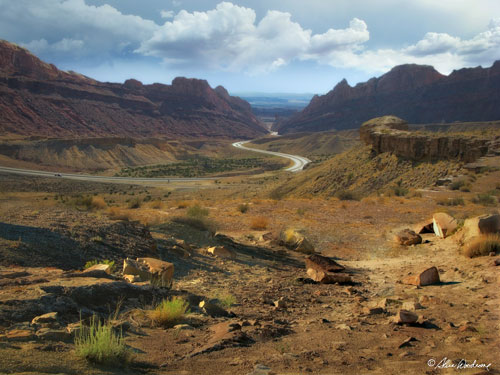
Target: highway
x,y
299,162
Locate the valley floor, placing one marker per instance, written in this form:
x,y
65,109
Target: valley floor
x,y
278,321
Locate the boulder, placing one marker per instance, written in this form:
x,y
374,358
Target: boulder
x,y
476,226
156,271
428,277
411,306
99,267
328,277
321,263
405,317
407,237
294,240
212,309
221,252
443,224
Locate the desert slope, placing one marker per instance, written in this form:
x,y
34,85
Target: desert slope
x,y
417,93
37,99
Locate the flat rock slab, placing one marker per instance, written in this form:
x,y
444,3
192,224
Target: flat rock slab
x,y
321,263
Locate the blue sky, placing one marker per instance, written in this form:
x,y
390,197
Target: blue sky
x,y
254,46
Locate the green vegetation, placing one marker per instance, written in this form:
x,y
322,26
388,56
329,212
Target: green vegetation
x,y
197,212
91,263
485,200
199,166
225,299
99,343
169,312
346,195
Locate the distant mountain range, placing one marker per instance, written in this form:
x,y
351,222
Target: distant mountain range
x,y
417,93
37,99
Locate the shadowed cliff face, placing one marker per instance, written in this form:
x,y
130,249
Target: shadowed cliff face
x,y
38,99
390,134
417,93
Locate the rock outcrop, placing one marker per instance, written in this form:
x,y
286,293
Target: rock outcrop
x,y
37,99
417,93
391,134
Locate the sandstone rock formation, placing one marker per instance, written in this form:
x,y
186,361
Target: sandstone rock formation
x,y
417,93
37,99
428,277
156,271
391,134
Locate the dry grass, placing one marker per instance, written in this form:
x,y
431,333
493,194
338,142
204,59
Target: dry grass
x,y
183,204
98,203
483,245
169,312
117,213
157,204
259,223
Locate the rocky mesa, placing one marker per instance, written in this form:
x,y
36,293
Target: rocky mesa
x,y
391,134
37,99
417,93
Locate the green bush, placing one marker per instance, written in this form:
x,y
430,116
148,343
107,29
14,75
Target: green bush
x,y
169,312
485,200
197,212
99,343
346,195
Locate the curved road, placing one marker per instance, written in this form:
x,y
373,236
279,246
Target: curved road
x,y
299,162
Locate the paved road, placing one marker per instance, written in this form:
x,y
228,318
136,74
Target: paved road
x,y
86,177
299,162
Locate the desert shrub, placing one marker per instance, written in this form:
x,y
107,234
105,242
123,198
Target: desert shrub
x,y
203,224
482,245
458,201
465,189
98,203
243,208
259,223
224,299
169,312
400,191
91,263
81,202
182,204
346,195
99,343
157,204
457,184
197,212
485,200
116,213
134,203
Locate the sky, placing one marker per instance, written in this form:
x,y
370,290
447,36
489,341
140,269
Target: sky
x,y
254,46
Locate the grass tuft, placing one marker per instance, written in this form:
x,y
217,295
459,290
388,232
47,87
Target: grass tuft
x,y
169,312
98,343
482,245
197,212
485,200
259,223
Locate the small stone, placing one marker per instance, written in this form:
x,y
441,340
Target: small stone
x,y
212,309
373,310
343,327
221,252
408,237
280,303
405,317
407,342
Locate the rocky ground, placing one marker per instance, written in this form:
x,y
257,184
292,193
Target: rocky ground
x,y
279,321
